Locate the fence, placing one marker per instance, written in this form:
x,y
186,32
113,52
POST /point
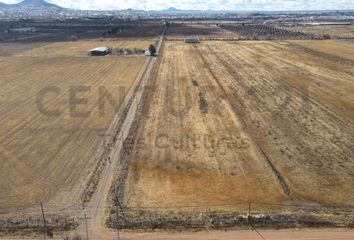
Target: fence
x,y
224,216
239,215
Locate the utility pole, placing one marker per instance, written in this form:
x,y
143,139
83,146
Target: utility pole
x,y
87,235
117,214
249,213
66,228
249,208
44,222
119,207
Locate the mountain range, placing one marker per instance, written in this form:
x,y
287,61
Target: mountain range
x,y
39,6
32,4
42,4
43,8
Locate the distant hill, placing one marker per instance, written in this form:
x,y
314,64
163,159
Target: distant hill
x,y
31,4
36,4
172,9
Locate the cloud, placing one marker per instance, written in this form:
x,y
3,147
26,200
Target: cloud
x,y
205,4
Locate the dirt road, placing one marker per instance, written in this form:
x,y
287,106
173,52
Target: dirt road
x,y
96,208
291,234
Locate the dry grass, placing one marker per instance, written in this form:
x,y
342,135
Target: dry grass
x,y
336,31
298,105
9,49
81,48
338,48
50,157
180,31
293,106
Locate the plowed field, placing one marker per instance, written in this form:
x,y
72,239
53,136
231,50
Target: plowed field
x,y
51,122
228,123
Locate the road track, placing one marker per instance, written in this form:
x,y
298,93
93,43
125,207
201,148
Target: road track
x,y
92,223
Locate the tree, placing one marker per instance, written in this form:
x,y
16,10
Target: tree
x,y
152,49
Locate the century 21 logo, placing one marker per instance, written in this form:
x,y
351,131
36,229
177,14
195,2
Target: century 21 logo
x,y
78,100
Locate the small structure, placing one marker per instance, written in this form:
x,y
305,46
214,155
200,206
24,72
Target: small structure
x,y
148,53
192,39
100,51
23,29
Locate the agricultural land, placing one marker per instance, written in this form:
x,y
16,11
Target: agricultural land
x,y
240,122
52,143
251,127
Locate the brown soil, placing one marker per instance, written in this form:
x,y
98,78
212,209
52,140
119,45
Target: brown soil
x,y
49,158
282,107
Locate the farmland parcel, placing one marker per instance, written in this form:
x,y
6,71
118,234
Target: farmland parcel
x,y
52,124
263,122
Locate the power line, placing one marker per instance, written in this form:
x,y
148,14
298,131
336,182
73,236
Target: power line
x,y
44,222
237,204
250,221
254,228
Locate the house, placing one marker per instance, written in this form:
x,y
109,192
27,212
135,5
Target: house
x,y
191,39
100,51
148,53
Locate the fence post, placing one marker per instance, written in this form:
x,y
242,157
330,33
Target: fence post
x,y
66,228
86,226
117,215
249,213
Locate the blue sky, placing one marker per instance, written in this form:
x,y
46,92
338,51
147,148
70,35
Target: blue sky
x,y
205,4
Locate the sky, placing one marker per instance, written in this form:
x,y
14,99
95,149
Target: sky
x,y
261,5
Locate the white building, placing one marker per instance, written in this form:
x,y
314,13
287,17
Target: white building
x,y
148,53
100,51
191,39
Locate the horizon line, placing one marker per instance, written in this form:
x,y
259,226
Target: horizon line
x,y
199,10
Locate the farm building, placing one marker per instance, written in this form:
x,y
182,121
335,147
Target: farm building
x,y
148,53
100,51
192,39
23,29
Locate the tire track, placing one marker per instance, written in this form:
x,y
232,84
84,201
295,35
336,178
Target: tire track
x,y
95,210
276,173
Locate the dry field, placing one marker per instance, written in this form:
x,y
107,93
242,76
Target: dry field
x,y
140,31
180,31
267,122
9,49
81,48
48,157
342,49
49,35
337,31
